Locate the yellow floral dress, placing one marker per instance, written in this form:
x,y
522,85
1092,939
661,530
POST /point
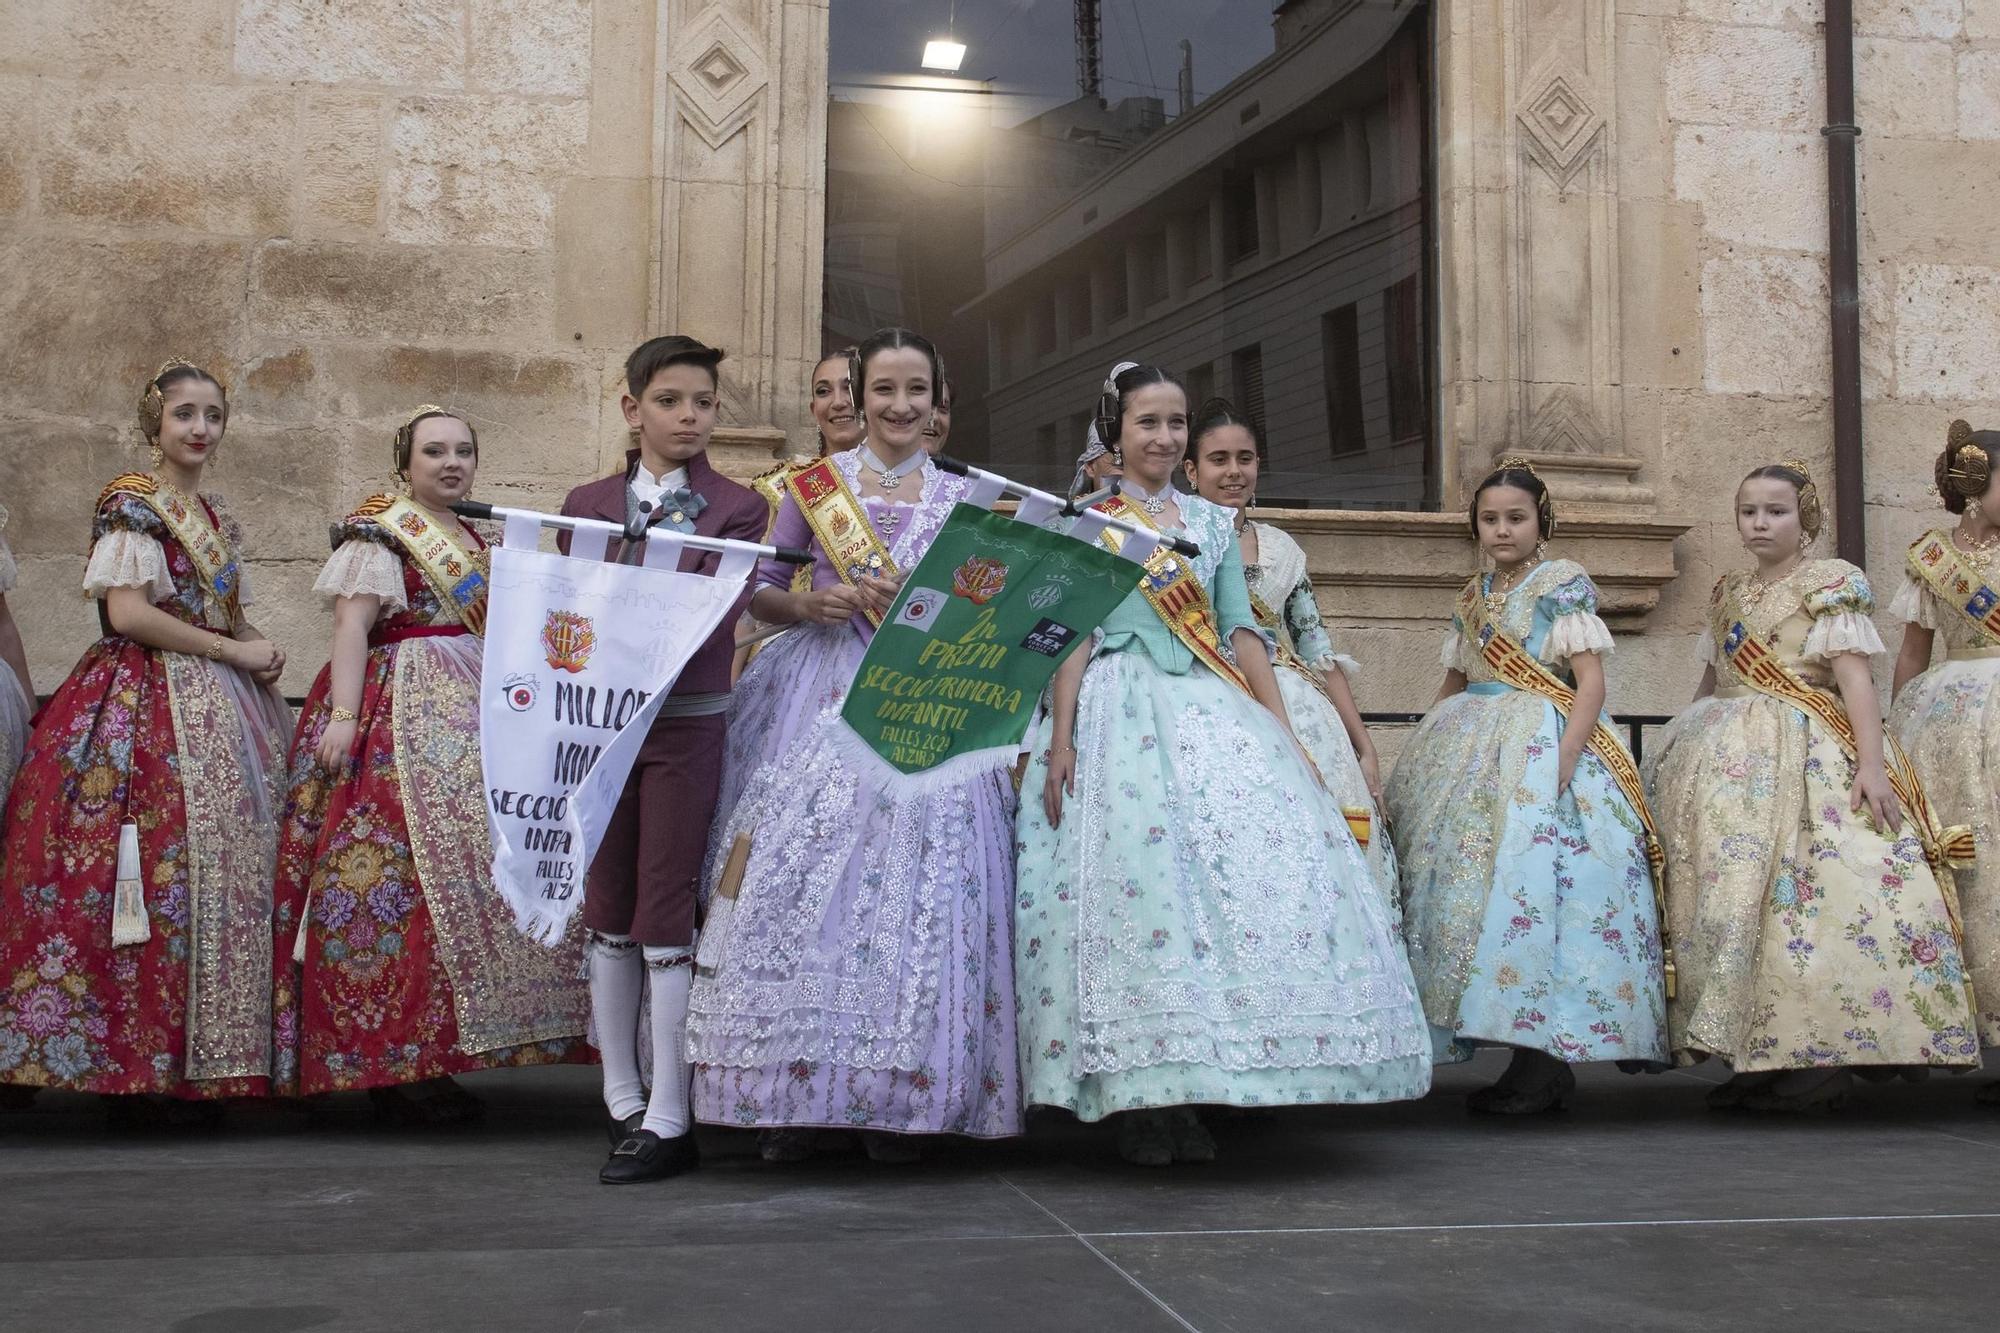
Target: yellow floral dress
x,y
1803,937
1949,720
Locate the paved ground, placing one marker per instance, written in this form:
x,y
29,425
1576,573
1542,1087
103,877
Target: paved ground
x,y
1636,1210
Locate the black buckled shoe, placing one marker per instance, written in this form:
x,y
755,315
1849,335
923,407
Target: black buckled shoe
x,y
644,1155
617,1131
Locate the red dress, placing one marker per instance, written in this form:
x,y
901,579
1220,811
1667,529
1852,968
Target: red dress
x,y
412,966
186,1013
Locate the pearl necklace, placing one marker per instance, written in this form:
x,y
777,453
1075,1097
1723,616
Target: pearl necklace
x,y
889,478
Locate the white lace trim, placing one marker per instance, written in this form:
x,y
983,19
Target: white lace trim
x,y
361,568
1842,632
1577,632
1348,666
126,559
1453,654
1704,647
10,572
1912,606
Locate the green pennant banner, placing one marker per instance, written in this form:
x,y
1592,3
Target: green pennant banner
x,y
981,625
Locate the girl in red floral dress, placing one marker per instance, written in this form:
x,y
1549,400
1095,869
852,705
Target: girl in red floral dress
x,y
409,968
135,902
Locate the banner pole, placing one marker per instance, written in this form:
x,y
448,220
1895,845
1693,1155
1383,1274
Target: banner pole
x,y
946,463
784,555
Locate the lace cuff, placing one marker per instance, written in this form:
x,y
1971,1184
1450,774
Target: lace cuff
x,y
1577,632
1347,665
1704,647
126,559
1453,655
1912,605
1842,632
361,568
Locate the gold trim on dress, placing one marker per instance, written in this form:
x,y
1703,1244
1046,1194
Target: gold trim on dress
x,y
456,575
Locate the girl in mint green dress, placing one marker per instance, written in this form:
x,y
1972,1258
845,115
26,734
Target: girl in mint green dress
x,y
1193,921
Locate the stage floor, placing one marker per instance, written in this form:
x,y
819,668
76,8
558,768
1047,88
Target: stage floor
x,y
1637,1209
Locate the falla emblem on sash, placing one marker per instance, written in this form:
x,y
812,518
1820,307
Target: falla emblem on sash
x,y
839,523
567,639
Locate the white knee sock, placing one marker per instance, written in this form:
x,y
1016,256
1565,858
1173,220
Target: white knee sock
x,y
616,975
669,977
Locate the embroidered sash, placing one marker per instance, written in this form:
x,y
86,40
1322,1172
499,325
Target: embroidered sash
x,y
207,549
1761,669
1287,655
1175,593
771,484
1516,666
836,517
456,575
1946,572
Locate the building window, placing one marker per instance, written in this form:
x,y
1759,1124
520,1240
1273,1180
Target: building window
x,y
1026,228
1246,369
1346,428
1200,380
1409,367
1242,216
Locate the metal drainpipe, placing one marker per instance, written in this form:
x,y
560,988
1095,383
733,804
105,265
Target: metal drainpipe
x,y
1844,273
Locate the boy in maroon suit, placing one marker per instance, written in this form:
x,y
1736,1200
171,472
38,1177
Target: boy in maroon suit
x,y
639,899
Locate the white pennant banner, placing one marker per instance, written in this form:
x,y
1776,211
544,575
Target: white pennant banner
x,y
580,655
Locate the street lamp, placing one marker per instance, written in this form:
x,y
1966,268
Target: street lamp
x,y
944,54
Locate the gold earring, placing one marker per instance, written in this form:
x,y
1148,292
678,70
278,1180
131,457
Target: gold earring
x,y
1541,548
158,455
1805,540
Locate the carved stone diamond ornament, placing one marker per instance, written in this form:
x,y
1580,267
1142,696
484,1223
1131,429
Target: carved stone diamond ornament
x,y
1560,126
718,71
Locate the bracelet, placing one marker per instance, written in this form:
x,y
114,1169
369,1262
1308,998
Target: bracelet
x,y
1054,750
215,649
342,715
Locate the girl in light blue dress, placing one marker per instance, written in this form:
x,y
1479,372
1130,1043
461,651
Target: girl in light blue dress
x,y
1528,901
1193,921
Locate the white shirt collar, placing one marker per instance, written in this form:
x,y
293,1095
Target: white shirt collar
x,y
650,487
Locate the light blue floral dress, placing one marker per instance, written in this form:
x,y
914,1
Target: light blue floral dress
x,y
1201,926
1530,917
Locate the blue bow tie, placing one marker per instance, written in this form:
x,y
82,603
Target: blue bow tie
x,y
677,508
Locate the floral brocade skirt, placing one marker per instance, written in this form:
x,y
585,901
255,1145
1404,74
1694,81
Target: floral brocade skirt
x,y
1200,927
1948,719
1530,916
77,1013
410,967
1802,936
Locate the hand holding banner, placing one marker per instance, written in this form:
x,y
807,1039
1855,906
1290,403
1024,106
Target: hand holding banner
x,y
951,679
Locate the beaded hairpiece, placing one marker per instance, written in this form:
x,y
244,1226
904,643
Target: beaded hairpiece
x,y
153,402
1970,469
1811,513
1545,506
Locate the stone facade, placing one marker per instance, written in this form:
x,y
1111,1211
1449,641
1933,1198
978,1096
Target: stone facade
x,y
349,208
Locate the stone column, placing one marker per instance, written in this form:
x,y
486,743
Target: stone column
x,y
739,175
1529,291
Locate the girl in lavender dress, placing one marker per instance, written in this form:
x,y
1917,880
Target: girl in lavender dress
x,y
855,968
